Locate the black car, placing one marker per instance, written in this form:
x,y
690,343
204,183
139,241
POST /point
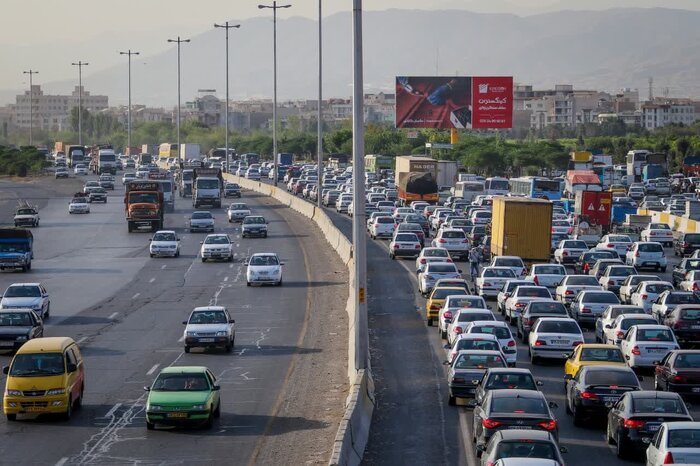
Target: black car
x,y
534,310
587,260
685,266
17,326
685,322
637,416
679,371
594,388
97,195
512,409
232,190
505,378
522,443
467,369
686,243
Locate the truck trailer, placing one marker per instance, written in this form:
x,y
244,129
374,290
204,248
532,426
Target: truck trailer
x,y
522,227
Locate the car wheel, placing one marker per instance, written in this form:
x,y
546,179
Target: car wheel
x,y
578,419
430,321
150,425
663,269
247,283
11,417
203,259
443,334
451,400
177,254
622,447
657,385
392,257
534,359
187,349
217,411
69,410
48,311
151,256
79,401
210,421
609,437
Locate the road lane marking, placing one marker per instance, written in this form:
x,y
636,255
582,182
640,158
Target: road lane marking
x,y
152,369
136,296
163,266
62,461
181,339
113,315
82,340
114,409
226,278
152,280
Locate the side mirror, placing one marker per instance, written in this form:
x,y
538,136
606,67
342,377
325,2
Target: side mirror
x,y
446,362
566,355
216,388
281,263
184,322
656,363
178,239
568,377
232,321
609,326
201,242
6,370
552,405
150,239
148,389
460,270
563,450
539,383
473,403
72,368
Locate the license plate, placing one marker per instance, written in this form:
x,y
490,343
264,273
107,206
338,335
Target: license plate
x,y
608,399
520,427
206,340
653,428
657,350
34,409
7,343
560,342
651,264
695,389
695,327
177,415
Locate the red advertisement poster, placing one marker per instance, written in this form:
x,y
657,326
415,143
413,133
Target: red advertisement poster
x,y
433,102
492,102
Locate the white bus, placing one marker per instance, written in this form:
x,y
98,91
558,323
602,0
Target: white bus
x,y
468,190
497,186
636,159
536,187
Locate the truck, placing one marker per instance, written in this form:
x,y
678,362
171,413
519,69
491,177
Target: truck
x,y
596,206
59,146
132,151
249,158
165,178
375,163
207,187
184,182
522,227
416,178
144,205
691,165
107,161
152,149
653,170
447,172
190,151
285,159
16,249
75,154
145,159
581,180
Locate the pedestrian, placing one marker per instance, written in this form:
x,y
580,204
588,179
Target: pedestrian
x,y
474,259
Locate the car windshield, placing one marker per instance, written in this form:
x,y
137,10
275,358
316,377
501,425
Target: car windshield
x,y
509,262
26,212
164,237
500,273
475,344
37,364
607,298
218,239
15,319
501,333
22,292
143,198
13,247
207,184
653,334
478,361
602,354
201,215
253,220
547,308
587,280
532,292
78,200
682,298
208,317
526,449
264,260
180,382
518,404
559,327
238,207
441,268
435,253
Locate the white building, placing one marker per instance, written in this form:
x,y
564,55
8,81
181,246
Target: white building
x,y
662,112
52,112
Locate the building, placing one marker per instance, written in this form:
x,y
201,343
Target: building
x,y
664,111
52,112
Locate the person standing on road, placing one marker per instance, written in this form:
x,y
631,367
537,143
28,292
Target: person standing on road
x,y
474,259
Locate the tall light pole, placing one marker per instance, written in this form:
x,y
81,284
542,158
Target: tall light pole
x,y
129,53
319,118
178,41
274,8
31,73
359,236
226,27
80,65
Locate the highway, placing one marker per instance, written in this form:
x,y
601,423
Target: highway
x,y
126,311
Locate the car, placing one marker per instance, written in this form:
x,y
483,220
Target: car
x,y
513,262
608,317
254,225
512,409
675,443
89,185
636,417
431,255
80,169
553,338
505,378
436,299
619,243
647,292
590,304
522,447
473,341
548,275
455,241
491,280
237,211
79,205
668,300
252,174
98,194
466,370
586,261
181,396
342,203
647,255
129,176
686,244
17,326
452,304
107,182
535,309
601,265
645,344
685,322
519,299
331,197
404,245
570,285
232,190
502,332
457,282
678,372
26,216
593,354
594,387
614,275
434,271
382,227
680,270
569,250
691,282
420,220
461,318
61,172
201,220
508,287
209,327
27,296
614,332
164,243
264,268
414,228
657,232
216,247
630,284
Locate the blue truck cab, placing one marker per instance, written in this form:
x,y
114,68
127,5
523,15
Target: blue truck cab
x,y
16,249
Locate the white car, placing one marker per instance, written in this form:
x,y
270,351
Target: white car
x,y
668,300
609,315
237,211
508,288
569,250
614,332
501,331
343,202
491,280
562,227
27,296
647,292
588,305
675,443
630,284
404,245
128,177
201,220
691,281
382,227
216,247
433,272
264,268
90,185
519,299
209,327
614,276
453,240
644,345
462,318
548,275
553,338
452,304
570,285
657,232
428,255
619,243
476,341
80,169
252,174
164,243
400,213
515,263
79,205
647,255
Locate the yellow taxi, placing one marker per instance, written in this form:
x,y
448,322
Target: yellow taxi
x,y
437,298
593,354
617,188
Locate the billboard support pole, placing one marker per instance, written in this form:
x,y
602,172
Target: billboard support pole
x,y
454,136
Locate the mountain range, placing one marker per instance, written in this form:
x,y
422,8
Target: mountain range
x,y
605,50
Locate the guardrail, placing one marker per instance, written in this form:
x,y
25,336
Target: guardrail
x,y
677,223
353,432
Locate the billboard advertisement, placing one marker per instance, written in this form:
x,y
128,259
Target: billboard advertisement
x,y
461,102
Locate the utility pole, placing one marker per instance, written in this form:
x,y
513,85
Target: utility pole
x,y
129,54
319,118
31,73
226,26
178,41
80,65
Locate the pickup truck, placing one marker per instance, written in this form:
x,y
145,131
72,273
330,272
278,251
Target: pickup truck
x,y
26,216
16,249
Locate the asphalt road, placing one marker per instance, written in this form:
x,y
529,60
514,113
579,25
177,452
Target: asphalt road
x,y
126,312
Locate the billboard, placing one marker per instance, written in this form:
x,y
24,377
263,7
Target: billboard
x,y
461,102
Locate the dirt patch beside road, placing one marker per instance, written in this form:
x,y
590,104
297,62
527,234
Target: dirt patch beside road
x,y
37,190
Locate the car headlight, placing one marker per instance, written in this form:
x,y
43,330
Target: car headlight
x,y
22,338
56,391
191,334
13,393
154,408
199,407
223,333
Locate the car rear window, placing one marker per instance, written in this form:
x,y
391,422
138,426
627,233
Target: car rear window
x,y
478,361
608,298
474,316
602,354
547,308
550,269
654,335
657,405
658,289
559,327
473,344
682,298
525,405
385,220
690,314
692,238
501,333
499,273
684,438
454,234
441,268
531,292
444,293
506,381
509,262
625,324
611,377
575,245
474,301
651,247
688,360
526,449
621,271
585,280
411,237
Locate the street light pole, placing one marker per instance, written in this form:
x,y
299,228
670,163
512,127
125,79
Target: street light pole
x,y
80,65
359,235
274,8
31,73
129,53
319,117
226,26
178,41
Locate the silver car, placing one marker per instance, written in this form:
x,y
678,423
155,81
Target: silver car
x,y
201,220
27,296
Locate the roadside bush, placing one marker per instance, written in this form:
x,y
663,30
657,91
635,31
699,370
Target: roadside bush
x,y
20,162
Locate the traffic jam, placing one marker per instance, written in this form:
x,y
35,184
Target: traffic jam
x,y
529,277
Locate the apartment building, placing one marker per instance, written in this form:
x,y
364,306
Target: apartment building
x,y
52,112
664,111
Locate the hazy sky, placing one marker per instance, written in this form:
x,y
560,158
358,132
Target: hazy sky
x,y
49,34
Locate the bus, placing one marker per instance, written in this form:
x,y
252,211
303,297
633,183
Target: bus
x,y
636,159
496,186
536,187
375,163
468,190
168,150
250,158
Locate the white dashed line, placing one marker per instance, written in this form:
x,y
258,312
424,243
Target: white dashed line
x,y
113,315
136,296
182,338
62,461
82,340
152,280
163,266
152,369
225,279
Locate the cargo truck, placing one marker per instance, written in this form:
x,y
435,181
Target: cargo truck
x,y
207,187
522,227
143,205
376,163
691,165
75,155
285,159
416,179
16,249
581,180
446,172
190,151
152,149
107,161
165,178
184,182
